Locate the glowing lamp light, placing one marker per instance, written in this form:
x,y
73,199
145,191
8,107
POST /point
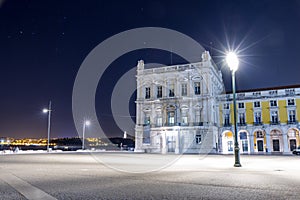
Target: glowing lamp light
x,y
45,110
232,61
87,123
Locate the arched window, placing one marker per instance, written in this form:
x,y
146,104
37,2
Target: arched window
x,y
243,136
292,133
259,134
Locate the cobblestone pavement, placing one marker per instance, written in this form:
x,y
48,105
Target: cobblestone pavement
x,y
147,176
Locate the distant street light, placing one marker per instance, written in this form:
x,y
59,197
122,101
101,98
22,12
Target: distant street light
x,y
85,123
45,110
233,63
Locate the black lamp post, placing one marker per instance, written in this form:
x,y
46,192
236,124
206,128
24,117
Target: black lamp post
x,y
233,63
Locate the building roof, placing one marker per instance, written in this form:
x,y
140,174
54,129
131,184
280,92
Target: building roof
x,y
265,89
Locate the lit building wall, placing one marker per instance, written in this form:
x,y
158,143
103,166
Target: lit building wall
x,y
265,112
249,113
271,121
182,109
177,109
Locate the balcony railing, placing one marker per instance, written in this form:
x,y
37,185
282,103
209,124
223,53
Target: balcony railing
x,y
274,122
227,125
292,122
242,124
183,124
257,123
198,123
179,124
170,124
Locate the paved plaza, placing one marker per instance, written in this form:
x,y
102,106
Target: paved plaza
x,y
147,176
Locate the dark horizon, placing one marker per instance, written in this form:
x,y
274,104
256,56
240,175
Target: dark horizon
x,y
43,45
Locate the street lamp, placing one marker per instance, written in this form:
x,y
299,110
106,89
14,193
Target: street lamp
x,y
45,110
233,63
86,123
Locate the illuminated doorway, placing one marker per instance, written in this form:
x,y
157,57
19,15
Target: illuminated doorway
x,y
227,142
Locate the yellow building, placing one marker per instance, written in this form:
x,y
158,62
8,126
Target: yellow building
x,y
267,121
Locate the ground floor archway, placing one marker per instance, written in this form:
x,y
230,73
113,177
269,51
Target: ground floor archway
x,y
243,140
273,139
276,140
293,138
260,141
227,142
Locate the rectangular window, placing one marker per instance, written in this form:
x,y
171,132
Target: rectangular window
x,y
257,117
290,91
147,120
159,121
147,93
291,102
184,120
292,116
273,103
273,92
197,88
230,145
171,118
241,105
171,90
242,118
240,95
198,138
226,120
245,145
184,89
256,104
226,106
159,91
274,117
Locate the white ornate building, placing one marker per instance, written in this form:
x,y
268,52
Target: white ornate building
x,y
177,109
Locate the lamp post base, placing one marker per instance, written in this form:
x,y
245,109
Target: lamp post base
x,y
237,165
237,157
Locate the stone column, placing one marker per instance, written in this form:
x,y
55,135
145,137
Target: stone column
x,y
178,114
285,144
152,116
164,143
177,142
190,115
251,139
204,111
138,139
268,139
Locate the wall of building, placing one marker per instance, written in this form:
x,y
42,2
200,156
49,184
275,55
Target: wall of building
x,y
179,119
175,123
276,136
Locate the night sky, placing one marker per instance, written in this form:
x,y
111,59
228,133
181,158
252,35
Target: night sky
x,y
43,43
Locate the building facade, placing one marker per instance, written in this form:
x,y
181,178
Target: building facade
x,y
267,121
184,109
176,107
